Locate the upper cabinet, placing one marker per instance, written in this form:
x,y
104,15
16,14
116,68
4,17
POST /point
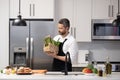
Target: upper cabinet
x,y
104,9
64,9
83,20
79,14
42,9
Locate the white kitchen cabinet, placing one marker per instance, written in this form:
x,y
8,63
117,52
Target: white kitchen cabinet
x,y
104,9
79,14
14,8
4,33
83,20
42,9
64,9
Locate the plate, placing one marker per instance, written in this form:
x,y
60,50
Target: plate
x,y
24,73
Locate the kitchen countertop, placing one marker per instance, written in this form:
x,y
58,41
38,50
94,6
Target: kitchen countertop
x,y
114,76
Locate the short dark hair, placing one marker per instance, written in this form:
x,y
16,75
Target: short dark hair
x,y
65,22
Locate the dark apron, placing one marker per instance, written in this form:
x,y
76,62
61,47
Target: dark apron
x,y
59,65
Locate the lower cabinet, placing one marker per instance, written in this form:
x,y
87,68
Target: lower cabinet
x,y
77,69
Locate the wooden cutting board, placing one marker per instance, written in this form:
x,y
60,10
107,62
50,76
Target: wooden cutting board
x,y
42,71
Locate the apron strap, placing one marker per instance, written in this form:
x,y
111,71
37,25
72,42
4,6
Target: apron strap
x,y
64,40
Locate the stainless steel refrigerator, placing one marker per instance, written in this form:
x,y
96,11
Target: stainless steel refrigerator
x,y
26,44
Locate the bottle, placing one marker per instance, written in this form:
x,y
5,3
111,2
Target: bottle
x,y
100,72
104,72
108,67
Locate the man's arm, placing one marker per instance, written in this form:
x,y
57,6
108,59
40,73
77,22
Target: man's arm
x,y
54,55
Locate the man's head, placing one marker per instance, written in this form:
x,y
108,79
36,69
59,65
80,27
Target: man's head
x,y
63,26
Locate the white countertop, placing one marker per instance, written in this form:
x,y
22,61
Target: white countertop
x,y
114,76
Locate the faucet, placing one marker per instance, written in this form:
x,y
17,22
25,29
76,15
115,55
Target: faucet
x,y
67,56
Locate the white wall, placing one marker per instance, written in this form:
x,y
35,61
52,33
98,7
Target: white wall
x,y
4,33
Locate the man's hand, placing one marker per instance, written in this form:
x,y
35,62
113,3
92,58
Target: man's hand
x,y
52,55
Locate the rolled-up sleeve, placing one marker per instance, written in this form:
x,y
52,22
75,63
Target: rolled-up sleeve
x,y
72,48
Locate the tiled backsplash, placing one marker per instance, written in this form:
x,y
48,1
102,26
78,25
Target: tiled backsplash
x,y
99,50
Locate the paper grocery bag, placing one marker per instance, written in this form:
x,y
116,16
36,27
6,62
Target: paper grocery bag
x,y
50,48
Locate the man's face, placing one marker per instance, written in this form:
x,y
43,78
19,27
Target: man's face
x,y
61,29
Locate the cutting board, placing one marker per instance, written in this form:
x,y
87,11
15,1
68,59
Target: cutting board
x,y
42,71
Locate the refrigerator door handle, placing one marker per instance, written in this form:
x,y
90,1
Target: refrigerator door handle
x,y
27,50
31,52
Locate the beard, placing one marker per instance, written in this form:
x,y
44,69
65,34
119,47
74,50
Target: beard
x,y
62,33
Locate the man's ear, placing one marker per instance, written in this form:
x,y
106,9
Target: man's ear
x,y
67,28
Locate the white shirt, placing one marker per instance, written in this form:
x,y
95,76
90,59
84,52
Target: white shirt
x,y
70,46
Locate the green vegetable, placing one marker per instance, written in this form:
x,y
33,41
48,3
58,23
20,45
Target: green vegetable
x,y
94,70
56,43
1,71
90,66
48,40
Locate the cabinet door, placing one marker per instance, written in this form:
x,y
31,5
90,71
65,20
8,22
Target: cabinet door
x,y
65,9
37,9
32,8
26,8
100,9
83,20
14,8
43,8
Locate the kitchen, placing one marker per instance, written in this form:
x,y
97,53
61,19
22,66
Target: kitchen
x,y
99,49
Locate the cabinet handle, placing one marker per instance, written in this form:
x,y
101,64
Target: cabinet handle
x,y
75,33
71,31
112,11
109,11
33,9
30,9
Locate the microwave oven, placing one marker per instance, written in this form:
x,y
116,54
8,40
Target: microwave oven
x,y
103,29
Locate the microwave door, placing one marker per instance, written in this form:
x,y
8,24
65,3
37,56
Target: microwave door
x,y
105,31
100,31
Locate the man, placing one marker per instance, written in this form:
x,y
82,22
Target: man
x,y
68,44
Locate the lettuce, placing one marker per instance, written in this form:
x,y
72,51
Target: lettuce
x,y
48,40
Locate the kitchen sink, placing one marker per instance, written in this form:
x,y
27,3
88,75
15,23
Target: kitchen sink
x,y
62,73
